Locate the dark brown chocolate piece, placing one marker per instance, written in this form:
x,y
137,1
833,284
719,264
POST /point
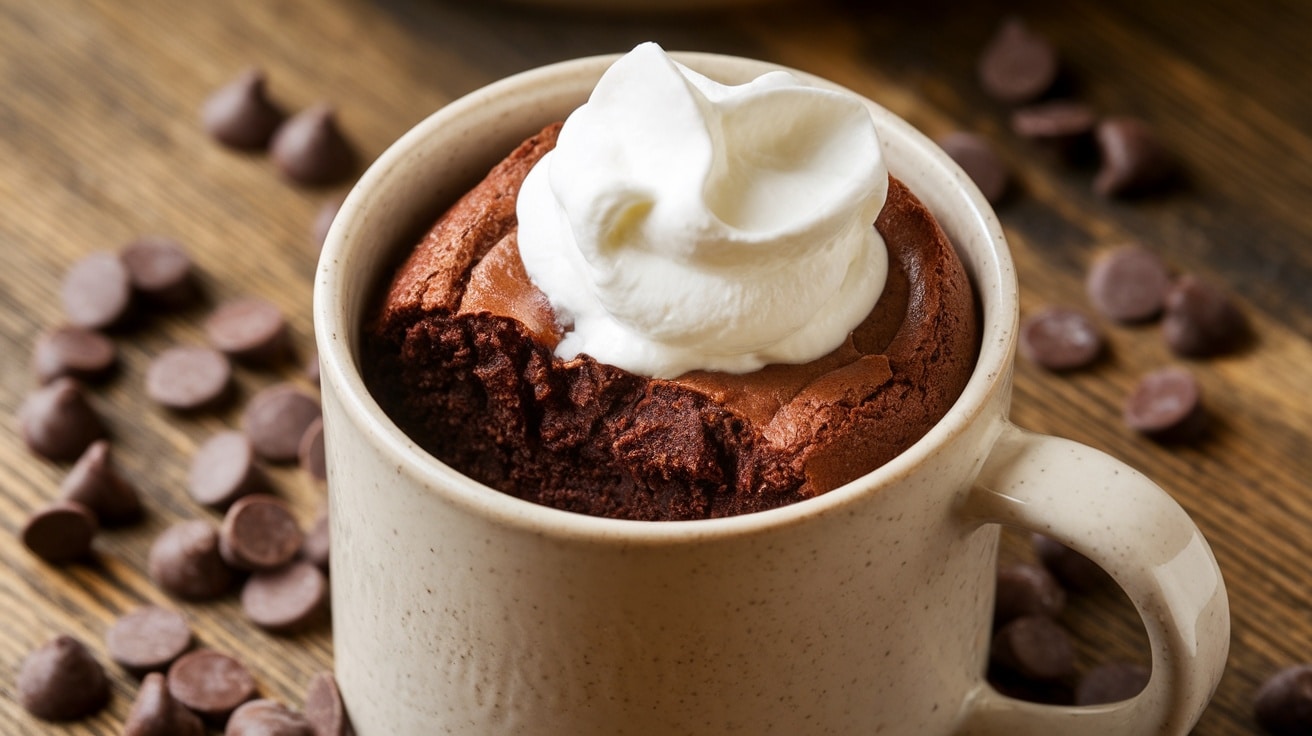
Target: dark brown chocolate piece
x,y
1036,647
259,533
324,707
251,330
188,378
323,220
1060,339
1134,160
285,599
94,482
210,684
239,114
310,452
1166,404
96,291
185,561
276,419
1201,319
1026,590
1055,121
62,681
159,270
57,422
148,639
156,713
310,149
1017,64
224,469
61,532
315,548
1110,683
977,157
312,368
73,351
1283,703
1075,571
267,718
1128,284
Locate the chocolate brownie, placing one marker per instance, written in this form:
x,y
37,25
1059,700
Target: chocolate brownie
x,y
459,354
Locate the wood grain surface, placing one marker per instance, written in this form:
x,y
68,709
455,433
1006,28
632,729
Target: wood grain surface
x,y
99,143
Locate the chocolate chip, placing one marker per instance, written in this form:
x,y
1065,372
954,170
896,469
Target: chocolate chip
x,y
323,220
312,368
185,561
324,708
156,713
310,452
1134,160
160,270
211,684
1128,284
1283,704
1166,404
276,419
975,155
57,422
148,639
315,548
1075,571
96,291
74,352
61,532
250,329
1055,121
224,469
259,533
267,718
62,681
239,114
1026,590
1110,683
1035,647
1017,64
1060,339
285,599
95,482
310,149
188,378
1201,320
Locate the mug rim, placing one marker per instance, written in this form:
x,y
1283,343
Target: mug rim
x,y
336,331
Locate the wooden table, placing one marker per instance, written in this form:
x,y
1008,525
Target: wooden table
x,y
99,143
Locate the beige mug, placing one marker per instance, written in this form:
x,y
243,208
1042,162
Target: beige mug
x,y
457,609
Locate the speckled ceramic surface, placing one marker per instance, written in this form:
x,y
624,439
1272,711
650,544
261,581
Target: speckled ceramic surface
x,y
457,609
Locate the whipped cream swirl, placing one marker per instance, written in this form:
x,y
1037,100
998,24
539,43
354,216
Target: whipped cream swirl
x,y
683,224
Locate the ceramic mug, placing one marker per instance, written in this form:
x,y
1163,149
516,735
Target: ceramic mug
x,y
458,609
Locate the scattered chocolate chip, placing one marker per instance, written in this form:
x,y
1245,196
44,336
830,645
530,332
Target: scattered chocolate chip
x,y
310,451
1134,160
1201,320
156,713
1128,284
259,533
1060,339
1166,405
1035,647
57,422
1075,571
188,378
61,532
276,419
211,684
267,718
976,156
185,561
1055,121
250,329
61,681
324,708
323,220
148,639
312,368
1283,704
316,545
160,270
240,114
73,351
285,599
96,291
1017,64
224,469
95,482
1110,683
310,149
1026,590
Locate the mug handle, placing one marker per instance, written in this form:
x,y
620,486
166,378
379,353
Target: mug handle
x,y
1135,531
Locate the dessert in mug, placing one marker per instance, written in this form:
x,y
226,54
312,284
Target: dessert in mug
x,y
691,300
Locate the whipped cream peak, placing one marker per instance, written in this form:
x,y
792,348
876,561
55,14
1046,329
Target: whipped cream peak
x,y
683,224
